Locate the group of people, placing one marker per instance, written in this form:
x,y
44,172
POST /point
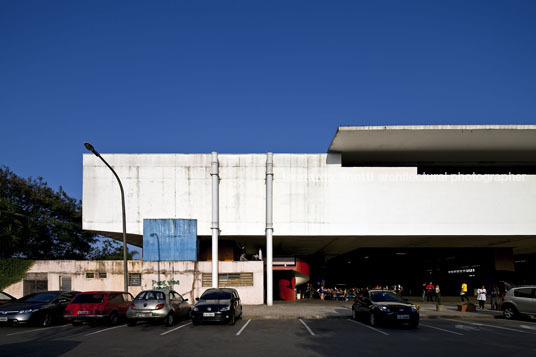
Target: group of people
x,y
337,293
431,292
482,295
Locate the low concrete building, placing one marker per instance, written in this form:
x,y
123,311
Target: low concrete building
x,y
189,278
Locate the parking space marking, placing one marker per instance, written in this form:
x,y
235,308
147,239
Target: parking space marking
x,y
175,329
37,329
497,327
370,327
440,329
307,327
528,327
105,329
243,327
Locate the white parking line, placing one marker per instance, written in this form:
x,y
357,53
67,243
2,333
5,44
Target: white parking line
x,y
440,329
181,326
243,327
307,327
37,329
498,327
370,327
105,329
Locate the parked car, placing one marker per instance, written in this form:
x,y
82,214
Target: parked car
x,y
221,305
158,305
520,301
45,308
5,298
109,306
378,306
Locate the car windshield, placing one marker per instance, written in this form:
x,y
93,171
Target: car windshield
x,y
216,295
4,297
39,297
88,299
151,295
381,296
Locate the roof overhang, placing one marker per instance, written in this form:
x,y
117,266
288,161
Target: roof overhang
x,y
436,143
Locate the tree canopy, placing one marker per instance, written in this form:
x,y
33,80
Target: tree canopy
x,y
37,222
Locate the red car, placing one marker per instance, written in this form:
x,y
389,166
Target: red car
x,y
109,306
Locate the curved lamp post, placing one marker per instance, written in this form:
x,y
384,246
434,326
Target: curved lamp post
x,y
125,251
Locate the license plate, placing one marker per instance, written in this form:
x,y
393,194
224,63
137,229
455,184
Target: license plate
x,y
208,314
141,314
3,318
402,317
82,312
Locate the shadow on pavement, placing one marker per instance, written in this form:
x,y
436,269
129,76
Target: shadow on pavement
x,y
38,348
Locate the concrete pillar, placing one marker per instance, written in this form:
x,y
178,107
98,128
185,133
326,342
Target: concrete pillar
x,y
214,173
269,229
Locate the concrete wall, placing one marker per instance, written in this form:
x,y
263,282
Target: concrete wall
x,y
313,195
188,273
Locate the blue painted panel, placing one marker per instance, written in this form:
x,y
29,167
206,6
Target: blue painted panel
x,y
170,239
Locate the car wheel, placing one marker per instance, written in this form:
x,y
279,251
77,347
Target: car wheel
x,y
169,319
47,320
114,318
76,323
373,320
232,319
131,322
509,312
354,314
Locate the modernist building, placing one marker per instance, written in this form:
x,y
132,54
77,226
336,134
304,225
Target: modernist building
x,y
384,205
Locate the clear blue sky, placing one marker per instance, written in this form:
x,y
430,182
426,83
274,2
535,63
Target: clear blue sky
x,y
249,76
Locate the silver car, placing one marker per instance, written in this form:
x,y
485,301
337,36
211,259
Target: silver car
x,y
519,301
158,305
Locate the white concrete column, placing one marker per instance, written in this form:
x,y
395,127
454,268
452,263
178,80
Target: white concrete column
x,y
214,173
269,229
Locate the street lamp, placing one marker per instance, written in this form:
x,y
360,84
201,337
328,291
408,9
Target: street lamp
x,y
158,244
125,251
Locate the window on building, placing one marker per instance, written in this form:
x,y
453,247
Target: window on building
x,y
90,275
102,275
35,283
228,279
134,279
65,283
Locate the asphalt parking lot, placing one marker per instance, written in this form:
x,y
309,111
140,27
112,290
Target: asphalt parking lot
x,y
299,337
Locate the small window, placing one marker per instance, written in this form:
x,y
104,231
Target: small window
x,y
134,279
524,293
102,275
90,275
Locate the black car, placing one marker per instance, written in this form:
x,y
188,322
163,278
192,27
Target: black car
x,y
218,305
378,306
5,298
43,309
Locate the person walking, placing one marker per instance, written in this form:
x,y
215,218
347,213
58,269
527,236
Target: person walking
x,y
463,292
430,291
495,293
437,294
481,297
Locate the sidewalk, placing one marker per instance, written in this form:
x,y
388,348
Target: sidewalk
x,y
318,309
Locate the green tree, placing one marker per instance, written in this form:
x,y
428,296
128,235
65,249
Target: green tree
x,y
38,223
110,250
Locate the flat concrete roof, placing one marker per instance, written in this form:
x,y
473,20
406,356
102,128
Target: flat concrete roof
x,y
436,143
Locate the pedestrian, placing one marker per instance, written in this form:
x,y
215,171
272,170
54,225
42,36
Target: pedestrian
x,y
495,293
481,297
430,291
437,294
423,291
463,292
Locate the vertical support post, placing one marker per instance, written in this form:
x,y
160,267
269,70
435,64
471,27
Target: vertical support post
x,y
269,228
214,173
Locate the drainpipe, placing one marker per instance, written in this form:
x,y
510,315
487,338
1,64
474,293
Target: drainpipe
x,y
269,228
214,173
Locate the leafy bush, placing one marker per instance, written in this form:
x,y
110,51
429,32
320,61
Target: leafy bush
x,y
12,271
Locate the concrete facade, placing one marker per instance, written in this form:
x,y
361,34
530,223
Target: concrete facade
x,y
319,205
189,274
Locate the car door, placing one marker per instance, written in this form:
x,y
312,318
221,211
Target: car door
x,y
184,306
175,302
237,304
524,298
